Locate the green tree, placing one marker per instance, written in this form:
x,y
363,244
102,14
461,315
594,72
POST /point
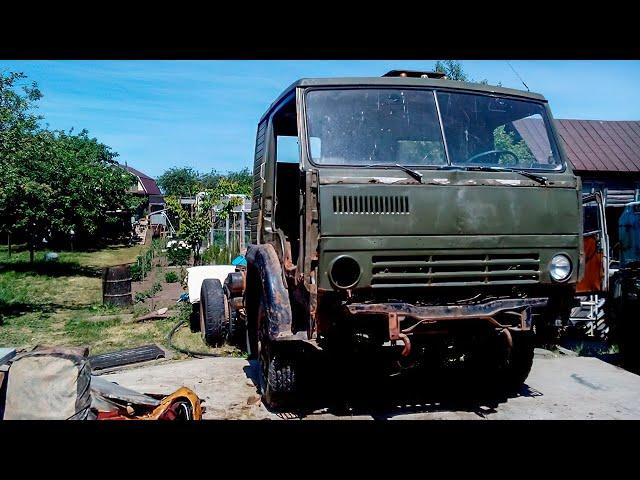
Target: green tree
x,y
454,71
507,140
196,224
18,144
54,184
180,182
242,178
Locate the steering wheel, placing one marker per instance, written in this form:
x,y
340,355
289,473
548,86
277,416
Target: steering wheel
x,y
494,152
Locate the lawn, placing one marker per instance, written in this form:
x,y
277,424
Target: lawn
x,y
60,303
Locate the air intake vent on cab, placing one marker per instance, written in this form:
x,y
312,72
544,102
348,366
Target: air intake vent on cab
x,y
371,204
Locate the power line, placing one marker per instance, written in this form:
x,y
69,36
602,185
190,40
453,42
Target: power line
x,y
518,75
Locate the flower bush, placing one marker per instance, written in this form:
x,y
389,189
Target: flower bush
x,y
178,252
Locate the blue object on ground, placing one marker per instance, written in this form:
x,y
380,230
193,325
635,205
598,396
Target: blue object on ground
x,y
50,257
239,261
183,297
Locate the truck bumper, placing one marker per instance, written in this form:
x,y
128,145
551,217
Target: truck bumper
x,y
405,318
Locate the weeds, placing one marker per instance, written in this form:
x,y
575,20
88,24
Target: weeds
x,y
142,296
171,277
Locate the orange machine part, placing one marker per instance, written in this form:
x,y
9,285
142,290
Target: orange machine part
x,y
593,272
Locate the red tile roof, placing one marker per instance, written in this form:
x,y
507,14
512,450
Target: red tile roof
x,y
601,146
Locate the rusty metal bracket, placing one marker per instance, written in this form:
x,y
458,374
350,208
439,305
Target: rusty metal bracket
x,y
437,313
395,333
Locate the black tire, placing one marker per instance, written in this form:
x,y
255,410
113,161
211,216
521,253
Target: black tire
x,y
278,376
497,368
278,379
194,318
251,301
235,335
517,367
213,312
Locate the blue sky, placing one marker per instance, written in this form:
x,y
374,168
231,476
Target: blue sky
x,y
203,114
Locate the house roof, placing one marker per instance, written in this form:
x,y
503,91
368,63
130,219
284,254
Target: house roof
x,y
601,146
149,184
590,145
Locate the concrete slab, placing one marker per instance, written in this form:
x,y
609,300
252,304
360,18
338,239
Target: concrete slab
x,y
559,387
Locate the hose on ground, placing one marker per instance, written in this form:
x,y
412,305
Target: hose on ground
x,y
191,353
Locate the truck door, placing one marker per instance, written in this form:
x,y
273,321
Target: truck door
x,y
596,246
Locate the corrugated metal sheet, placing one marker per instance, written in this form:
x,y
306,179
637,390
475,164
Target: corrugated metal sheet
x,y
601,146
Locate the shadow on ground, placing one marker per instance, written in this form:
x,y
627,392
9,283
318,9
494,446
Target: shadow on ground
x,y
358,392
17,308
51,269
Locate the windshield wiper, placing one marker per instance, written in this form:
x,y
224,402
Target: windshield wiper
x,y
413,173
533,176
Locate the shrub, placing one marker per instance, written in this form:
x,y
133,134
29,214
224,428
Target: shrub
x,y
171,277
178,252
136,272
216,255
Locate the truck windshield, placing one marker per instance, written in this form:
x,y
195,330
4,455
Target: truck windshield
x,y
395,126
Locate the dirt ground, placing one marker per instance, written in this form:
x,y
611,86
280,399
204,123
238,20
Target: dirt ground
x,y
559,387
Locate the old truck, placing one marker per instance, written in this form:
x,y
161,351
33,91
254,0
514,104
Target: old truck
x,y
623,301
433,219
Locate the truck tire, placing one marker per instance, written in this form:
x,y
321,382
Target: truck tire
x,y
236,334
278,379
278,376
515,370
497,369
194,318
213,312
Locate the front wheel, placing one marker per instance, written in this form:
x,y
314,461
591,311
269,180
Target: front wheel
x,y
278,378
500,367
519,361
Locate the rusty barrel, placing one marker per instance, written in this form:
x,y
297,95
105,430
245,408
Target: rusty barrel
x,y
116,285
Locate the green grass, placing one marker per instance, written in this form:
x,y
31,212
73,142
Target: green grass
x,y
59,303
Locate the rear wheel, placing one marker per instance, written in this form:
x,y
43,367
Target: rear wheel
x,y
213,312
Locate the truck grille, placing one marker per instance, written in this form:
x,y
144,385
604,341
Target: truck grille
x,y
371,204
454,270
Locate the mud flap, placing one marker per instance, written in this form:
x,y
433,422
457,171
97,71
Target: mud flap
x,y
264,270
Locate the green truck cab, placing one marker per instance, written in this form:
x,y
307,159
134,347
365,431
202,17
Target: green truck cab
x,y
408,212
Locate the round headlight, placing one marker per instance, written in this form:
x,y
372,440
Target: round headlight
x,y
560,267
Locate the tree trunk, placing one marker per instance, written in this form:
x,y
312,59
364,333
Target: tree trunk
x,y
9,243
31,252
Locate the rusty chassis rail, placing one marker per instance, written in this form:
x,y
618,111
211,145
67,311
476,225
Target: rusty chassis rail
x,y
397,312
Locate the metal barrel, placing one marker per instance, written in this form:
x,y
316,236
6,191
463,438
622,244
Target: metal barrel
x,y
116,285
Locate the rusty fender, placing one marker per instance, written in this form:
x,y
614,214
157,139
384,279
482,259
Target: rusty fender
x,y
437,313
265,274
